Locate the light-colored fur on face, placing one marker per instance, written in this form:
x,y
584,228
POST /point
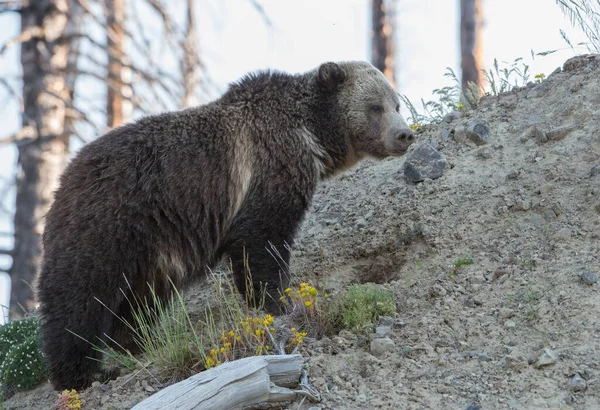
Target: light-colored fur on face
x,y
375,135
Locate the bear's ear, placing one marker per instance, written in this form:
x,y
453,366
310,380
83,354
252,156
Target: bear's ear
x,y
330,76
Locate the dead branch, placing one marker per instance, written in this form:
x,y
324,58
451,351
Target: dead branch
x,y
26,35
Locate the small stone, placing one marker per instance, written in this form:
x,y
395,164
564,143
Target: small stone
x,y
381,346
516,363
563,234
97,385
589,278
595,170
445,134
474,407
424,162
387,320
510,324
382,331
538,90
476,131
484,357
506,313
560,132
498,273
546,358
149,389
512,175
452,116
577,383
533,132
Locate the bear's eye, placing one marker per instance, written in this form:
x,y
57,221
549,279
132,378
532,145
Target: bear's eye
x,y
378,109
398,108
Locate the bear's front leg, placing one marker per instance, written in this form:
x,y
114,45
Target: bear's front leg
x,y
259,244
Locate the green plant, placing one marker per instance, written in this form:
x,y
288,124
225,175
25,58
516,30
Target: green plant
x,y
458,264
586,15
164,333
22,364
361,304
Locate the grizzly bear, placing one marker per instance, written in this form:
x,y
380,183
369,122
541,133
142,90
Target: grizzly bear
x,y
167,196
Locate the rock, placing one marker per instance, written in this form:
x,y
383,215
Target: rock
x,y
474,407
387,320
381,346
510,324
97,385
595,170
563,234
484,357
560,132
452,116
445,134
546,358
577,383
512,175
382,331
538,90
506,313
424,162
483,153
516,363
476,131
589,278
533,132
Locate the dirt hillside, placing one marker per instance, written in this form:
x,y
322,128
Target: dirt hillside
x,y
519,327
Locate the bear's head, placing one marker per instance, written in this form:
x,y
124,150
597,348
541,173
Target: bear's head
x,y
367,108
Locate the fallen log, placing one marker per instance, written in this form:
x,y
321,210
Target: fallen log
x,y
253,382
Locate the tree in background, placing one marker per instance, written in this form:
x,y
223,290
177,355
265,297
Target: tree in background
x,y
47,40
115,38
62,57
190,64
58,48
471,43
382,38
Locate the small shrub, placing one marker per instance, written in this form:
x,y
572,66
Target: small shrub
x,y
68,400
22,364
313,310
362,304
458,264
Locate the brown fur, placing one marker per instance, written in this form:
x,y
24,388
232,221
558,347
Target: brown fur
x,y
167,196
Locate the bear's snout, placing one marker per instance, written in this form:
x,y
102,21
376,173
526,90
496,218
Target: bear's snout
x,y
403,138
406,136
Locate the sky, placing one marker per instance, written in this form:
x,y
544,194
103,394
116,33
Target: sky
x,y
234,40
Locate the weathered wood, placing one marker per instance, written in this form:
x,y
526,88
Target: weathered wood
x,y
235,385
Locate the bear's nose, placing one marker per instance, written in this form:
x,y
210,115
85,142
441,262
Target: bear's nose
x,y
406,135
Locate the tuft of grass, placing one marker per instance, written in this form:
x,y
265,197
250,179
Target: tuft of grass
x,y
586,15
164,333
458,264
361,304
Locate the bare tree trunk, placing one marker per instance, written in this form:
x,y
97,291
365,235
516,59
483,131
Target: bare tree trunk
x,y
471,42
382,38
43,141
191,61
115,18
